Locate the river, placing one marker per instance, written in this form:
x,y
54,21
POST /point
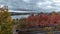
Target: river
x,y
19,16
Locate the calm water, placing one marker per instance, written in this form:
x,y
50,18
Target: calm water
x,y
19,16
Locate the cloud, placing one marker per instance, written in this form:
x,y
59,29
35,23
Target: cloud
x,y
38,5
45,5
57,4
27,1
56,1
49,5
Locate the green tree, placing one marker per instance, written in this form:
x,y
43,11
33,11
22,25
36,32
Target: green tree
x,y
15,21
5,22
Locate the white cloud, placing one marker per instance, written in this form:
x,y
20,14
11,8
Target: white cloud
x,y
56,1
32,4
39,4
2,5
46,4
49,7
57,4
27,1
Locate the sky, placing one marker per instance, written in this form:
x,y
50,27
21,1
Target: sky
x,y
32,5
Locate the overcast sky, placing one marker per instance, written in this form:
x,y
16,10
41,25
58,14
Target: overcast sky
x,y
35,5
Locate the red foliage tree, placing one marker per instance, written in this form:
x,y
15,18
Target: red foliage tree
x,y
43,20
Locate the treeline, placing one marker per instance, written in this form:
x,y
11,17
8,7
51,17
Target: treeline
x,y
33,21
41,20
14,13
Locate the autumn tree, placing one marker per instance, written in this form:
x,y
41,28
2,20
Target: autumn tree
x,y
52,18
22,24
5,21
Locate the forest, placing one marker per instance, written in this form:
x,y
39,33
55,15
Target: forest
x,y
49,22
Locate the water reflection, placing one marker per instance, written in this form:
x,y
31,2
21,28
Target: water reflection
x,y
19,16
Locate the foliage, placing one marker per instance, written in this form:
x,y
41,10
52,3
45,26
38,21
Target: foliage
x,y
5,22
57,27
50,32
22,24
48,28
15,21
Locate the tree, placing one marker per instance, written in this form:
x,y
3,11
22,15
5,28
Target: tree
x,y
5,21
22,24
52,18
57,27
